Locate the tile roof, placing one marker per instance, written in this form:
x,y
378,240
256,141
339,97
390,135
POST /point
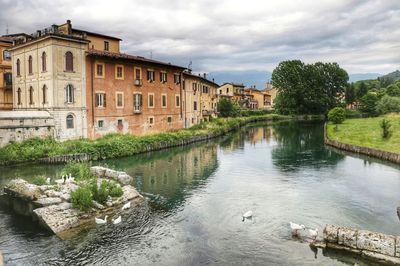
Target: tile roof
x,y
111,55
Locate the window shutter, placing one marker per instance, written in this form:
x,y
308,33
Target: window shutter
x,y
140,100
104,100
97,100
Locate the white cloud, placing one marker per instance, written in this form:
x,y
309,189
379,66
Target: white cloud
x,y
361,35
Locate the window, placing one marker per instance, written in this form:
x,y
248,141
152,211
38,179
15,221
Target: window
x,y
138,76
70,121
227,90
44,92
6,55
194,86
151,100
106,46
69,61
150,75
8,79
30,70
19,96
99,70
163,77
177,100
205,89
120,100
119,72
120,124
100,100
137,102
69,94
177,78
195,106
164,100
44,62
169,119
100,123
151,120
18,67
31,95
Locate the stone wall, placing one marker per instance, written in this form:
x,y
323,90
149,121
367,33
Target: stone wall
x,y
376,246
21,125
384,155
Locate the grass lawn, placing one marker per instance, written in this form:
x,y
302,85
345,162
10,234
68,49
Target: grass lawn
x,y
368,133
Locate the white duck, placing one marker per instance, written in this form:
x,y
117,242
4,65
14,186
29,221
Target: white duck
x,y
295,227
101,221
247,215
48,180
126,206
118,220
313,233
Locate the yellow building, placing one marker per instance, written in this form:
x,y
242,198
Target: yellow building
x,y
269,96
5,74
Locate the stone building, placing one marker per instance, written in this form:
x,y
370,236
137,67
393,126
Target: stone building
x,y
5,74
270,94
131,94
200,99
49,75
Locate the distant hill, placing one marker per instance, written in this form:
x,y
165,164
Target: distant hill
x,y
363,76
390,78
248,77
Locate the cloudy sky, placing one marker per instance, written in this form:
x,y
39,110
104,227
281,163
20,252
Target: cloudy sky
x,y
361,35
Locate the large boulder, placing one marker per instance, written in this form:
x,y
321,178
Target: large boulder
x,y
347,237
118,176
376,242
331,233
58,218
22,189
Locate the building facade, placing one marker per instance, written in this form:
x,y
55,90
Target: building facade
x,y
49,75
6,100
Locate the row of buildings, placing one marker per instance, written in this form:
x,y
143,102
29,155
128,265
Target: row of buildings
x,y
70,83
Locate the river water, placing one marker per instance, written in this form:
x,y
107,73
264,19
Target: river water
x,y
197,194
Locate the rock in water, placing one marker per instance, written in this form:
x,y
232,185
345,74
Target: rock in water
x,y
398,212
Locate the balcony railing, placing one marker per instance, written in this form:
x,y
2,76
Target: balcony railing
x,y
138,82
208,112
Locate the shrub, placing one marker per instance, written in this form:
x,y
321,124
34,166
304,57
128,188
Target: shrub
x,y
368,103
39,180
80,171
386,128
388,104
100,194
227,108
82,198
337,115
115,189
353,113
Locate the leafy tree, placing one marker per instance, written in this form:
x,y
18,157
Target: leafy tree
x,y
386,128
362,90
368,103
388,104
350,94
227,109
393,90
337,115
308,89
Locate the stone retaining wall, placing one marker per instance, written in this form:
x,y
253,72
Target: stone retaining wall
x,y
80,157
376,246
384,155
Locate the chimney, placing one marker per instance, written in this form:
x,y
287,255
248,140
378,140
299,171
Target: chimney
x,y
205,75
69,27
38,33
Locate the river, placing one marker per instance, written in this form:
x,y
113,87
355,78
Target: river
x,y
197,194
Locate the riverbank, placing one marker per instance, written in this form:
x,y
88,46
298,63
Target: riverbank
x,y
118,145
364,136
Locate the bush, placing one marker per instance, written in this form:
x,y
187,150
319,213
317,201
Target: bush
x,y
115,189
353,113
227,108
80,171
39,180
337,115
100,194
388,104
386,128
82,198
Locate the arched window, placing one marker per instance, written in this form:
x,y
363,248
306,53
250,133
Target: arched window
x,y
18,67
70,121
30,95
19,96
69,94
44,94
44,58
69,62
30,70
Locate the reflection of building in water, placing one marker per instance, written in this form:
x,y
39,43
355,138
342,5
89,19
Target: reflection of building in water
x,y
167,175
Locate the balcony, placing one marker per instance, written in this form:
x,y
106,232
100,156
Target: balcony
x,y
138,82
208,112
137,110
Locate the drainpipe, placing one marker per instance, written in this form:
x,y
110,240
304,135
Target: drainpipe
x,y
92,94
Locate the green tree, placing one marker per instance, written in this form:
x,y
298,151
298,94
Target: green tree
x,y
350,94
368,103
388,104
393,90
308,89
362,90
386,128
227,109
337,115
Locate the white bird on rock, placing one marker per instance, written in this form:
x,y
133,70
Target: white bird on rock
x,y
295,227
126,206
101,221
118,220
48,180
313,233
247,215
